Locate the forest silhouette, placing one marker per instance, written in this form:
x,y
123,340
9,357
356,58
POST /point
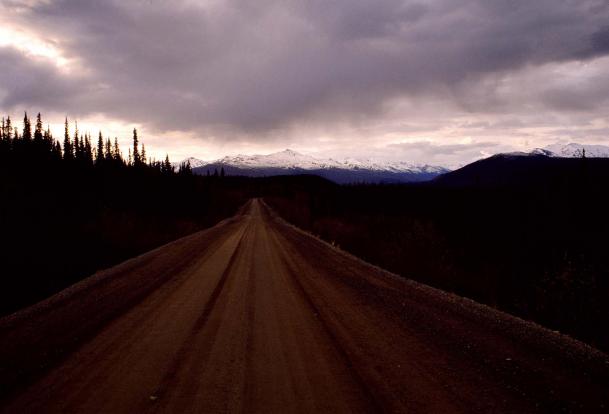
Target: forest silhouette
x,y
73,207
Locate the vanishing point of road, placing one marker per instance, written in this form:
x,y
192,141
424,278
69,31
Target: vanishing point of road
x,y
254,315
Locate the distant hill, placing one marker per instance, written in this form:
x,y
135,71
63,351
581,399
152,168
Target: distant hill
x,y
526,170
346,171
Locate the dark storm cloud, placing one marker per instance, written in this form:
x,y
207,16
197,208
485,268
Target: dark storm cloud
x,y
256,66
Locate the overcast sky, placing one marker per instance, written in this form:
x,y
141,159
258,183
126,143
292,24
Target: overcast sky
x,y
434,81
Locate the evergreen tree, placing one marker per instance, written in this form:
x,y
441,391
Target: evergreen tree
x,y
109,157
185,168
57,150
9,130
143,155
49,142
167,168
117,152
38,131
99,156
68,154
222,172
136,152
88,150
27,129
76,145
4,146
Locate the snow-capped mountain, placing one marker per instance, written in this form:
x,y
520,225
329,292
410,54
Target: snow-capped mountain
x,y
290,162
283,159
576,150
194,162
572,150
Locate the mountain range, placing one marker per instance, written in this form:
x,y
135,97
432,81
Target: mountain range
x,y
345,171
352,170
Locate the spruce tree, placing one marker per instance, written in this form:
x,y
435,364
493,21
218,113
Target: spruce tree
x,y
4,147
136,151
88,150
117,152
99,156
57,150
167,167
81,148
9,130
38,131
76,143
27,129
109,157
68,154
185,168
143,155
49,142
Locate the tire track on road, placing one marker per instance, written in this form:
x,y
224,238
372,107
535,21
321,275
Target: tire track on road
x,y
188,344
34,348
374,404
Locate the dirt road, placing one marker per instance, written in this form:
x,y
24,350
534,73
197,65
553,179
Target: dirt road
x,y
256,316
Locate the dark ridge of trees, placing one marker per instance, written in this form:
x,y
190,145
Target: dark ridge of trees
x,y
68,209
536,248
42,146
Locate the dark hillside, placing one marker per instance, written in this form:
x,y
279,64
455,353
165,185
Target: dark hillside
x,y
505,170
528,236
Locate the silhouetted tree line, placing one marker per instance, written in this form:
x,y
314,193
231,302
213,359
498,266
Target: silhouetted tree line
x,y
41,146
71,207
